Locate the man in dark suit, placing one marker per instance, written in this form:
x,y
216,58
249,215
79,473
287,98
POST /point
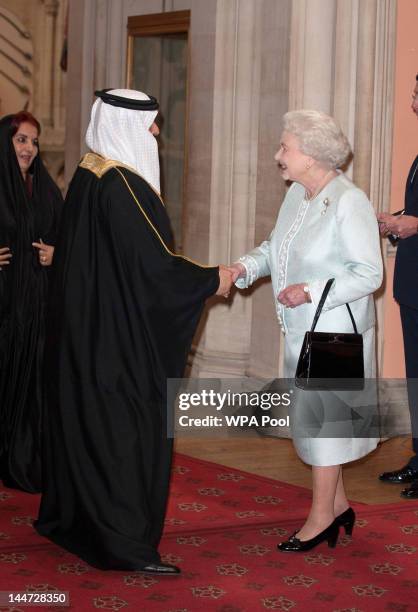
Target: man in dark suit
x,y
405,291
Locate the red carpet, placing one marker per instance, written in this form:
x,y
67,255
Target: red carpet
x,y
222,529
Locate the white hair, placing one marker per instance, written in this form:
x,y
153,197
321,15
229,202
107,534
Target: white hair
x,y
319,135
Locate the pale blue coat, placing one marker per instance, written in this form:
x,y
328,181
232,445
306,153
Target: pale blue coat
x,y
333,236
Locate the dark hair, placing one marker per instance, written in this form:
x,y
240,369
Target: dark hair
x,y
24,117
416,78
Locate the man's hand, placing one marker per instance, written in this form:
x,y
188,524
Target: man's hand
x,y
403,226
46,252
293,296
225,281
5,256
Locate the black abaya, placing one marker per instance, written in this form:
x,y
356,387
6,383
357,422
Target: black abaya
x,y
123,314
24,219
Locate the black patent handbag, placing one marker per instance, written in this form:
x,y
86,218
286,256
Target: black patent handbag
x,y
330,360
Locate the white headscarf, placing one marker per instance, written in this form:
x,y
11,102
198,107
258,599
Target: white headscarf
x,y
123,134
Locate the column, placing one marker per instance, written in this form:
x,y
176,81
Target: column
x,y
311,75
233,178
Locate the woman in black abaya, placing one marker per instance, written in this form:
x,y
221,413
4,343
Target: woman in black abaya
x,y
30,204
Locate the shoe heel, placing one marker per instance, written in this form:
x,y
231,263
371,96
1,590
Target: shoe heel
x,y
333,538
348,528
347,519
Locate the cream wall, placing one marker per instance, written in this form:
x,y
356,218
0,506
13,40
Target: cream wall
x,y
238,89
405,148
250,62
45,81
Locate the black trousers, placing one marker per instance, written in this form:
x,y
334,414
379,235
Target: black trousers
x,y
409,318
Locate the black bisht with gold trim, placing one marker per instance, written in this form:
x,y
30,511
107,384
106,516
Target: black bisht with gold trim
x,y
123,313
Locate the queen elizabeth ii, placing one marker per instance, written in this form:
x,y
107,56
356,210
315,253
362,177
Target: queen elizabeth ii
x,y
326,228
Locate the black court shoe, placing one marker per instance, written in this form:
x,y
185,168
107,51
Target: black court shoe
x,y
346,519
160,569
293,544
405,475
411,492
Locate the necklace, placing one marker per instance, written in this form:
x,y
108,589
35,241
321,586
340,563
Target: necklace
x,y
319,188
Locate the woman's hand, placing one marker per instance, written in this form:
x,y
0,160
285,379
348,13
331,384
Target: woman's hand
x,y
237,271
293,296
5,256
46,252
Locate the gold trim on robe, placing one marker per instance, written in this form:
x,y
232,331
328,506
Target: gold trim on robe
x,y
99,166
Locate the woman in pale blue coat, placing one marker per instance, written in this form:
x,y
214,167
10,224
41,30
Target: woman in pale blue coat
x,y
326,228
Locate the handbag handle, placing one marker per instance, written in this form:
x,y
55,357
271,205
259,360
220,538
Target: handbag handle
x,y
322,302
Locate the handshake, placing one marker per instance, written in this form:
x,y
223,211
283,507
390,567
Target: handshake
x,y
227,276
